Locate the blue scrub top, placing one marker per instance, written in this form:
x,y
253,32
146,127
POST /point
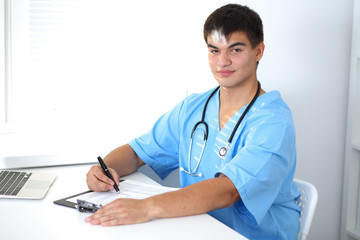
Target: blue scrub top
x,y
260,162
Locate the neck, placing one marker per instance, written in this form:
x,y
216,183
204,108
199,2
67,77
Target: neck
x,y
233,99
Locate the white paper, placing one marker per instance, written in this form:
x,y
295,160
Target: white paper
x,y
128,189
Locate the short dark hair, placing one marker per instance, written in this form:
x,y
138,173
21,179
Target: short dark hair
x,y
234,17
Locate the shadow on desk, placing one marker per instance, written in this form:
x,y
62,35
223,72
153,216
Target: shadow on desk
x,y
173,180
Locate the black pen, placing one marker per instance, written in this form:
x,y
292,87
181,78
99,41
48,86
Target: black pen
x,y
106,170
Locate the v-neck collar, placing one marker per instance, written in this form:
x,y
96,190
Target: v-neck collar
x,y
231,122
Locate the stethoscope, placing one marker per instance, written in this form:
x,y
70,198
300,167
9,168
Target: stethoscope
x,y
223,150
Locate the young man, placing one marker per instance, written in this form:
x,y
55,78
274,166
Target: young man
x,y
234,145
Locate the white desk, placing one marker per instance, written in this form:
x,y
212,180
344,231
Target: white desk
x,y
42,219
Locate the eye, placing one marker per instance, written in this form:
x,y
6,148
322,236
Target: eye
x,y
214,51
236,50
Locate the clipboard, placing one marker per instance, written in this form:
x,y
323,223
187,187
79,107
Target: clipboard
x,y
64,201
91,201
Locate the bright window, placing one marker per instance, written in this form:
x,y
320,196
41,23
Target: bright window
x,y
86,76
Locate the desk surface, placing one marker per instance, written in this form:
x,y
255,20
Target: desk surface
x,y
21,219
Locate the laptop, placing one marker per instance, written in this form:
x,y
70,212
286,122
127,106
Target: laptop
x,y
25,184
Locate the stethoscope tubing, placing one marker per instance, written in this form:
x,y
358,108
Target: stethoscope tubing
x,y
244,113
223,150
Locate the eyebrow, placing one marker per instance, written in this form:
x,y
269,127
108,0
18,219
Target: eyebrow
x,y
231,46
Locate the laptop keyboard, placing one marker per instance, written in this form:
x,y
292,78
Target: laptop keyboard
x,y
11,182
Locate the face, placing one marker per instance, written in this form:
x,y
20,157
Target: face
x,y
233,60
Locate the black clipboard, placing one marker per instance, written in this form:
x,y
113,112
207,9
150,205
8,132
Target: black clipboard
x,y
66,203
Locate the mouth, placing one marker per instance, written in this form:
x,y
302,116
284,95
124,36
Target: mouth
x,y
225,72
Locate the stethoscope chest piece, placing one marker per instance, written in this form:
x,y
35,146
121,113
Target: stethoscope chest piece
x,y
223,151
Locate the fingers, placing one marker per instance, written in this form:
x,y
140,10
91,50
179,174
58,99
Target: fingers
x,y
97,180
115,175
119,212
106,217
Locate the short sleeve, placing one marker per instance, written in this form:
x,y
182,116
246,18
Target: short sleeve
x,y
158,148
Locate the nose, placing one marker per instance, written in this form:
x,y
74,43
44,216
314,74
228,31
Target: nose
x,y
224,59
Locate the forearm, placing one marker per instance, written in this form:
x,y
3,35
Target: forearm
x,y
195,199
123,160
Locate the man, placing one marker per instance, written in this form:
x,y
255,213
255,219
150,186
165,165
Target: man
x,y
234,146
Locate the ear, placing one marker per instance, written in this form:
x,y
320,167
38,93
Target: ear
x,y
259,51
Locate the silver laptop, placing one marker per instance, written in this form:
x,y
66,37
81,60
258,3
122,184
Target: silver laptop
x,y
24,184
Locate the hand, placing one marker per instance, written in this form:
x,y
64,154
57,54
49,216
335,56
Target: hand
x,y
121,211
97,180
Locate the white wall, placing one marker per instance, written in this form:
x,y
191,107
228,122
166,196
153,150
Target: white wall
x,y
307,59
